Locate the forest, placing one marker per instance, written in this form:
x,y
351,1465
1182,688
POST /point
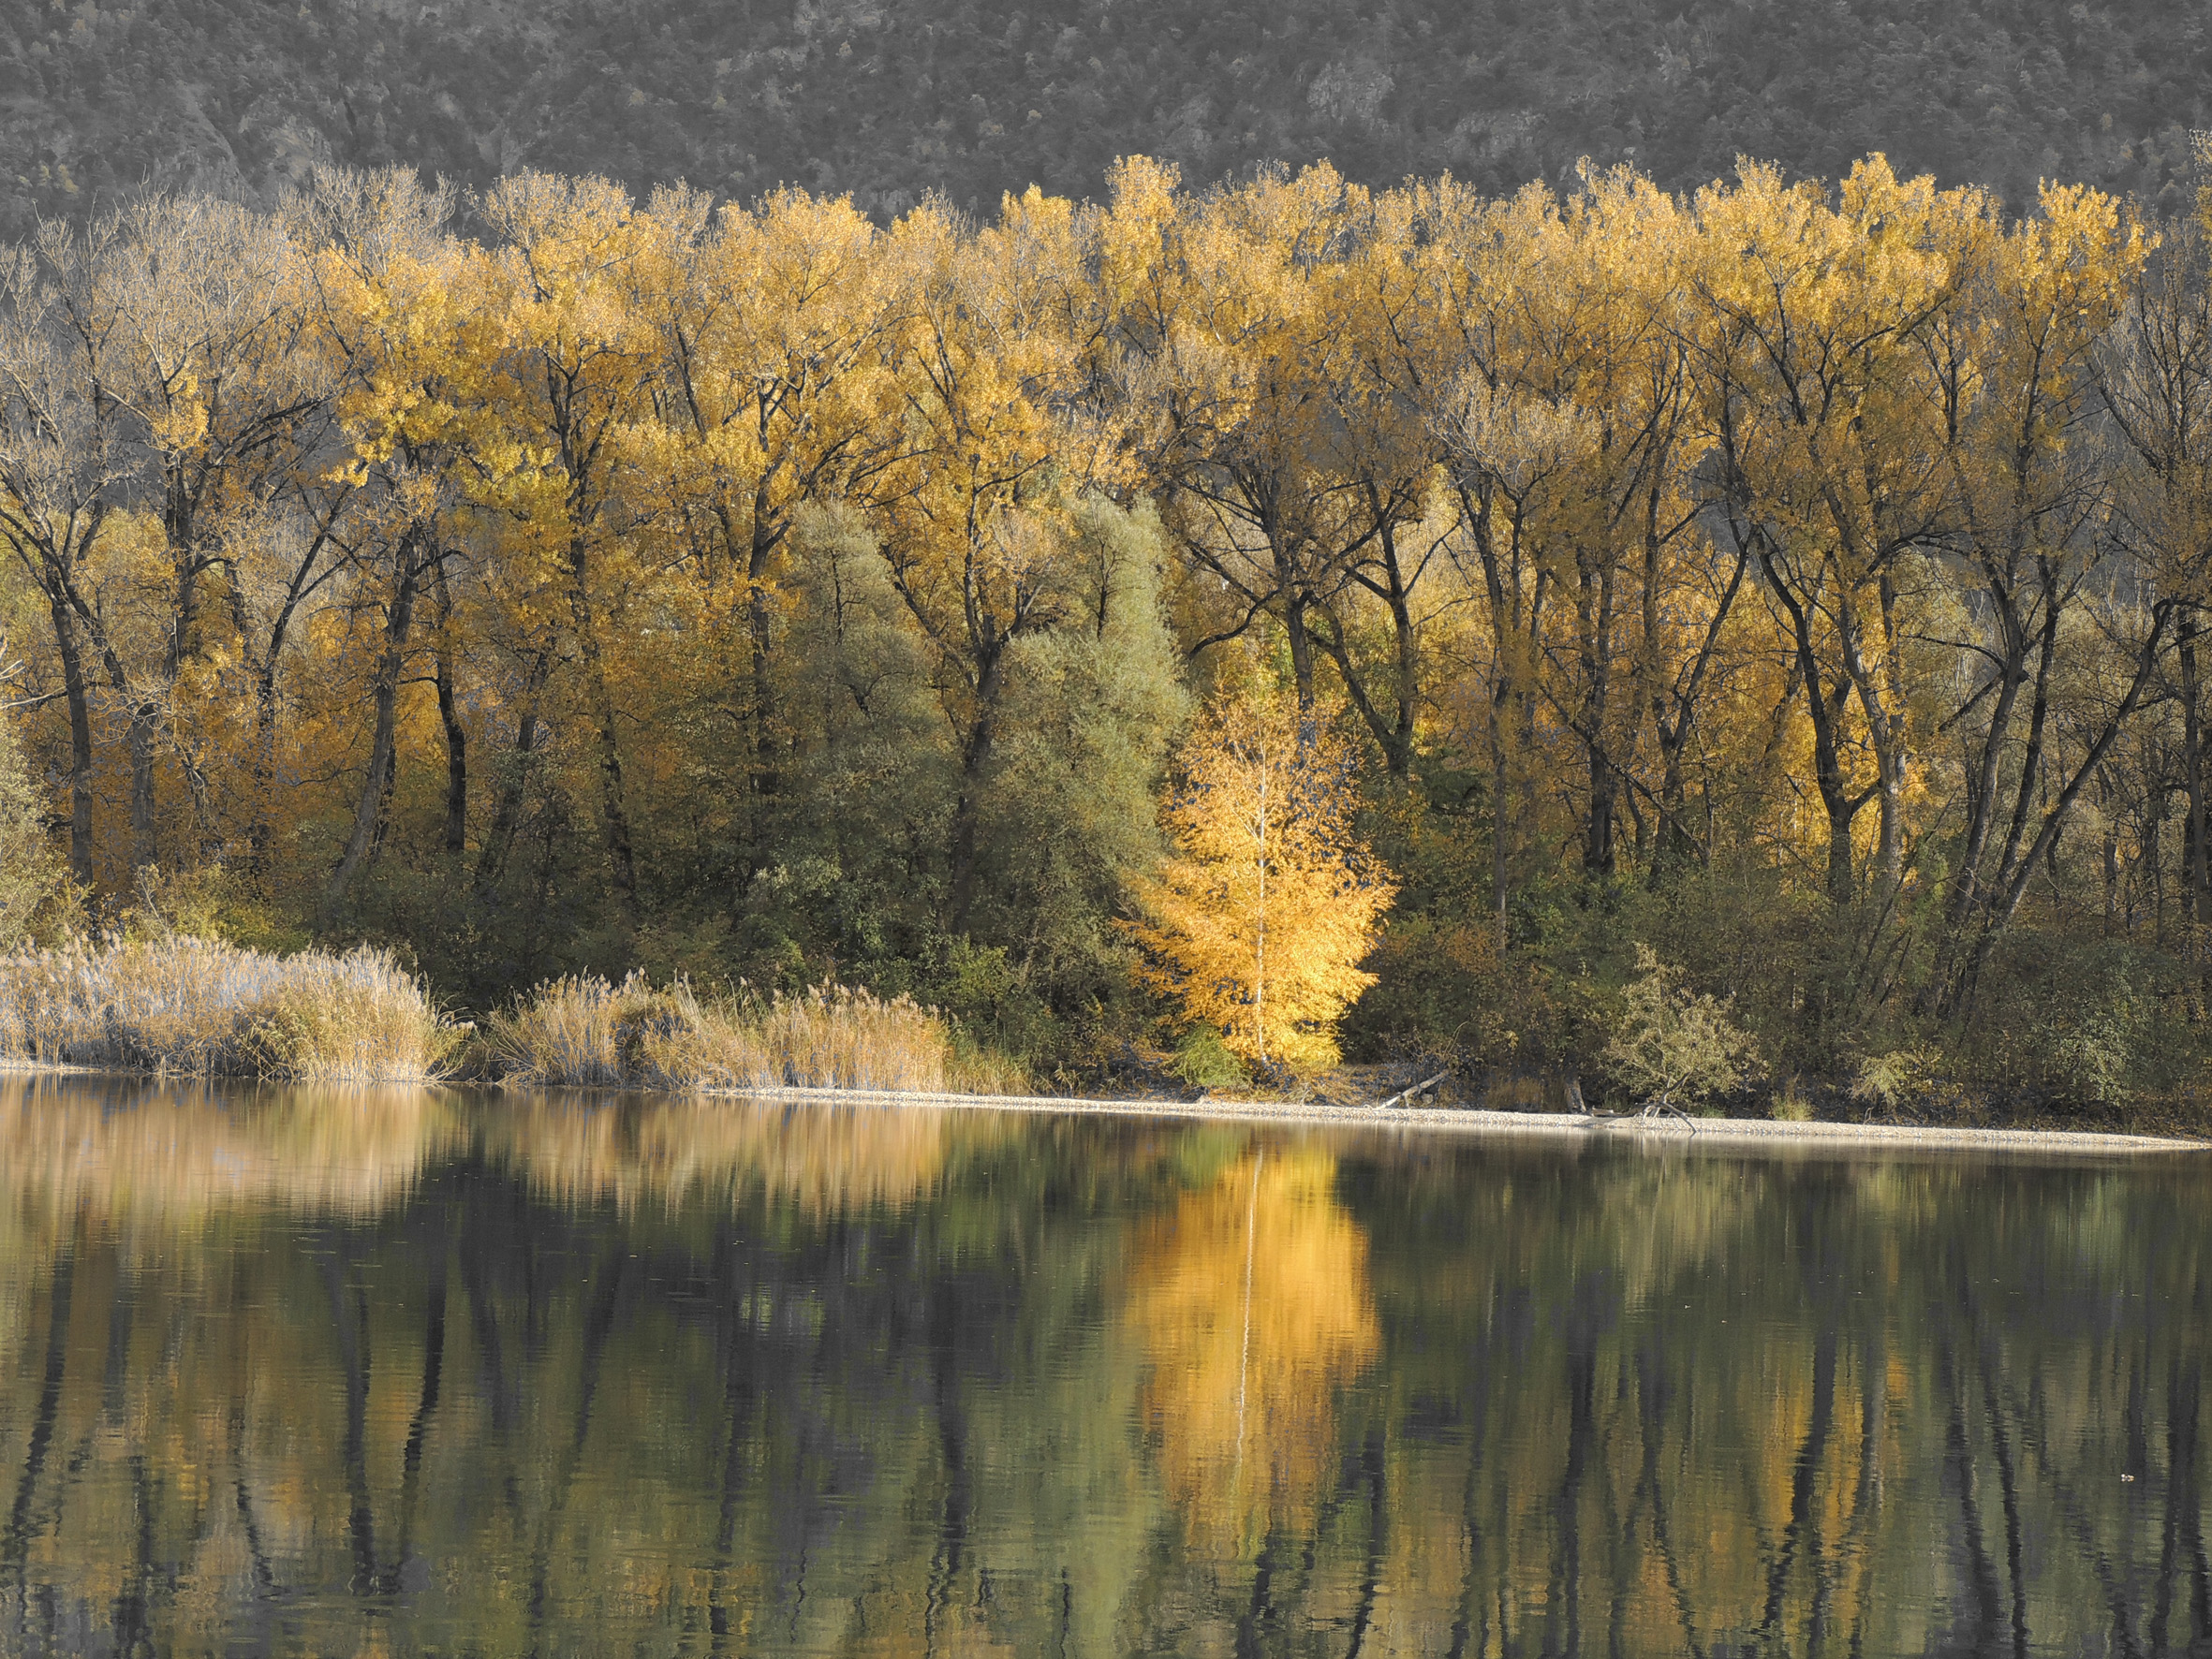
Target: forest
x,y
1741,644
973,98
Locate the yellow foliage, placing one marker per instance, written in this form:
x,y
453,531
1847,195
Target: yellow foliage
x,y
1261,920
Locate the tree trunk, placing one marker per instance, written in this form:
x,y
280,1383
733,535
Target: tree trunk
x,y
613,812
80,700
376,784
975,763
507,814
1391,723
1295,609
2193,778
759,625
1594,599
1825,709
449,716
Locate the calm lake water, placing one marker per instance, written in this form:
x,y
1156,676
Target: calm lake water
x,y
292,1371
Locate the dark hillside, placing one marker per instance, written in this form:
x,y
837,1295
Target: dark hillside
x,y
977,96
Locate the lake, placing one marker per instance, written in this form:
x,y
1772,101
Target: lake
x,y
433,1371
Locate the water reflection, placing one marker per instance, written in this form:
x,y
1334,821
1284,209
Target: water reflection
x,y
422,1373
577,1148
1250,1303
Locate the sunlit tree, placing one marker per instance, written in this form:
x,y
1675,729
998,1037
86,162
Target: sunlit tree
x,y
1261,921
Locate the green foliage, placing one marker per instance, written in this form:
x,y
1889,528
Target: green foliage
x,y
1204,1061
207,903
2085,1022
1898,1078
1087,716
1672,1045
32,879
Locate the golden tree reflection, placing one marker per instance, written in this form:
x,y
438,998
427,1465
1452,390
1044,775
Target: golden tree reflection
x,y
1252,1303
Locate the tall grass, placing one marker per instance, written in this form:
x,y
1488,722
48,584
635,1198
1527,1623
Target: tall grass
x,y
199,1008
583,1030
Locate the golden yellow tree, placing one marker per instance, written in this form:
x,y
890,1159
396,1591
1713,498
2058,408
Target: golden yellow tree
x,y
1261,922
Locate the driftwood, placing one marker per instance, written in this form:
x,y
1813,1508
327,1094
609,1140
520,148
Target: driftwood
x,y
1656,1110
1404,1094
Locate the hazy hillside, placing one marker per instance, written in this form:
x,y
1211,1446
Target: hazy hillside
x,y
975,96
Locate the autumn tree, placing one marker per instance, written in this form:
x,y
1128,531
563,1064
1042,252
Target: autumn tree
x,y
1828,455
775,329
65,469
1261,920
975,518
2012,369
578,365
1232,330
402,314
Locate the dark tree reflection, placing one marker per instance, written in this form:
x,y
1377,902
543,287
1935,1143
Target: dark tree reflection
x,y
416,1374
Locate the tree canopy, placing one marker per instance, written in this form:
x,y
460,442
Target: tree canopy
x,y
1805,584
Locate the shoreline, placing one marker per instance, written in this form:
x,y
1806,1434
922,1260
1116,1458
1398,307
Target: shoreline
x,y
1456,1119
1548,1126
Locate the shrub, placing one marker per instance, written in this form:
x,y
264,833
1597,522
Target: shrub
x,y
1895,1079
1792,1104
1671,1046
1203,1060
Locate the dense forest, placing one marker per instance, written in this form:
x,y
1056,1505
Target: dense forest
x,y
892,103
1740,641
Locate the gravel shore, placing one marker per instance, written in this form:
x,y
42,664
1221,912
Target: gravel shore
x,y
1555,1125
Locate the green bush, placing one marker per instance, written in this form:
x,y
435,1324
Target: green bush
x,y
1673,1047
1204,1061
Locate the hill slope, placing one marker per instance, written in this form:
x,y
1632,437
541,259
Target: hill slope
x,y
976,96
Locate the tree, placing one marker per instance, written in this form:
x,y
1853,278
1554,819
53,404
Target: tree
x,y
30,875
1829,452
773,329
975,518
399,310
65,468
577,378
1260,921
1241,381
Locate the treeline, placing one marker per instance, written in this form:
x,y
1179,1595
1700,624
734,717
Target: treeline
x,y
1803,584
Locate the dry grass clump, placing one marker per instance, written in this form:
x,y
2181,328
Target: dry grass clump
x,y
562,1034
583,1030
200,1008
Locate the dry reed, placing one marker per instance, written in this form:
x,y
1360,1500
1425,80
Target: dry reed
x,y
585,1031
199,1008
